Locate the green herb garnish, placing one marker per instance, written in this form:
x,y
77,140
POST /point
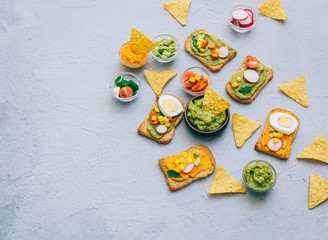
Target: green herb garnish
x,y
245,89
173,174
272,129
117,80
194,42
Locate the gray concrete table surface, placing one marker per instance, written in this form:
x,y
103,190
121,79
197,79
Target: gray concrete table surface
x,y
72,165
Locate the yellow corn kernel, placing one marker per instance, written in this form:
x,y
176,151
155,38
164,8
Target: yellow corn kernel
x,y
197,77
275,140
201,40
212,46
235,85
238,79
192,79
202,50
217,51
161,119
153,118
205,78
156,109
166,120
214,55
271,135
167,124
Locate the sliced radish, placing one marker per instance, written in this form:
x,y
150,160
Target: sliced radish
x,y
247,22
224,52
274,146
235,22
249,12
189,167
251,76
161,129
239,14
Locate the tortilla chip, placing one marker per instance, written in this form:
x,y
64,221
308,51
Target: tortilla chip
x,y
213,102
273,9
296,90
243,128
179,10
139,43
157,80
318,190
224,183
318,150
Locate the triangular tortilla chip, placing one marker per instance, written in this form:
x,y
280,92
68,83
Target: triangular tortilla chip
x,y
139,43
243,128
273,9
213,102
318,150
318,190
296,90
224,183
157,80
179,10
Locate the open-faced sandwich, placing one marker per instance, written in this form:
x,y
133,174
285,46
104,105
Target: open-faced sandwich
x,y
166,113
209,50
280,129
246,83
182,169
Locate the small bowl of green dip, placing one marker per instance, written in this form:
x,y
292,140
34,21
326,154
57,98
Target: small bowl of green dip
x,y
259,176
203,122
167,48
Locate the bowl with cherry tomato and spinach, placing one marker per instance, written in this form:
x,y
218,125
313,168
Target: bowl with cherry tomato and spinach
x,y
125,87
195,80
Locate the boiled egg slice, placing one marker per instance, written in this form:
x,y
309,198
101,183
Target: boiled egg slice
x,y
170,106
283,123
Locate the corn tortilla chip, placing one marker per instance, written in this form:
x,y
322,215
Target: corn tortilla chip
x,y
243,128
318,150
224,183
157,80
318,190
213,102
179,10
296,90
139,43
273,9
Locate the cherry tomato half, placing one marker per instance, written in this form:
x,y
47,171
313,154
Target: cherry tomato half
x,y
187,75
205,43
251,62
151,114
126,92
202,86
172,119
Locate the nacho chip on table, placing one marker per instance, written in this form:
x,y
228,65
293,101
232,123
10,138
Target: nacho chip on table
x,y
318,150
213,102
139,43
273,9
318,192
224,183
296,90
157,80
243,128
179,10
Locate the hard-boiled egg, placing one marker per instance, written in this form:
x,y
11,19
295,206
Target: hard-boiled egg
x,y
169,105
283,123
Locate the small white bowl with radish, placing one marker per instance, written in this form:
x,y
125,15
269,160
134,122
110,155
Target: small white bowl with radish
x,y
242,19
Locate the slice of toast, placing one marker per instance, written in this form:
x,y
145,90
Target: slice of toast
x,y
213,68
142,129
176,185
261,148
231,93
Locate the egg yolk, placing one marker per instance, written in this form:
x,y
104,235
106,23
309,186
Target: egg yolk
x,y
170,106
285,122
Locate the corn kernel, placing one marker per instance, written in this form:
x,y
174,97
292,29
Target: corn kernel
x,y
205,78
153,118
197,77
214,55
275,140
201,40
212,46
217,51
239,79
271,135
167,124
202,49
192,79
156,109
166,120
235,85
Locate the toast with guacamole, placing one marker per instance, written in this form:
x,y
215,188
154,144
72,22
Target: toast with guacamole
x,y
209,50
184,168
165,114
279,131
247,82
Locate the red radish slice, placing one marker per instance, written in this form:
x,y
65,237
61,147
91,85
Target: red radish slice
x,y
161,129
274,146
249,12
239,14
189,167
224,52
235,22
251,76
247,22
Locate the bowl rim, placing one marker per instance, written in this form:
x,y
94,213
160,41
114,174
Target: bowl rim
x,y
254,189
203,132
210,80
128,64
166,59
136,79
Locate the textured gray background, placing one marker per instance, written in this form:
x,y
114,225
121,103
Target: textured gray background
x,y
72,165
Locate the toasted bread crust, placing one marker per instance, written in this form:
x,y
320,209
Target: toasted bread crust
x,y
175,185
142,129
259,147
213,68
231,93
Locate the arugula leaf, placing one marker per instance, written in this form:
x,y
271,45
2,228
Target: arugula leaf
x,y
173,174
245,89
117,80
194,42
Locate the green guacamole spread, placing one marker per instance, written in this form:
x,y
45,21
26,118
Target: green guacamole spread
x,y
203,120
152,128
206,55
259,175
262,71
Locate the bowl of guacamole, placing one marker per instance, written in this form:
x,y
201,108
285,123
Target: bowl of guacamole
x,y
202,121
259,176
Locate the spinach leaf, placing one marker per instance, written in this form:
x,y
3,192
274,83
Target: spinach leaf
x,y
173,174
123,83
133,85
245,89
194,42
117,80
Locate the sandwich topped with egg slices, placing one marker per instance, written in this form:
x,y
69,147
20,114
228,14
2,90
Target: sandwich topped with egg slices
x,y
280,129
165,114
